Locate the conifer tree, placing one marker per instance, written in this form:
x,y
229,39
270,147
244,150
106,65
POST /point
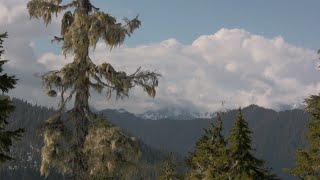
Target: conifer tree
x,y
168,169
6,83
210,158
308,159
68,135
243,164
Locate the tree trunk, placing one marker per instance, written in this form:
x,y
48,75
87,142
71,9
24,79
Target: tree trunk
x,y
81,129
81,108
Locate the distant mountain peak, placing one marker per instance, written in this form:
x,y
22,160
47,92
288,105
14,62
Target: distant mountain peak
x,y
175,113
121,110
180,113
254,106
298,106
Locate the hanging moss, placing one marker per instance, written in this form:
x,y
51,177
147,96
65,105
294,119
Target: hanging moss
x,y
107,143
66,22
78,152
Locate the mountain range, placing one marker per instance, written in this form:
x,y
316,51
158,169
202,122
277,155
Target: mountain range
x,y
276,135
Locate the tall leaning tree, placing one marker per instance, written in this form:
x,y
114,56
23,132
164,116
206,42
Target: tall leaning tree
x,y
6,83
76,142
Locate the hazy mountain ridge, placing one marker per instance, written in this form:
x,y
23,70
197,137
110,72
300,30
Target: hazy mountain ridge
x,y
174,113
180,113
276,136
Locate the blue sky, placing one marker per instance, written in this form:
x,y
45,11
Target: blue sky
x,y
240,52
295,20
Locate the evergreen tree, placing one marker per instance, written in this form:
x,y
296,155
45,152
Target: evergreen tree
x,y
6,107
210,158
308,159
168,169
243,164
68,133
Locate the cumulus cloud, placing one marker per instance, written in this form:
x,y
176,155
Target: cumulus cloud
x,y
15,19
21,48
231,65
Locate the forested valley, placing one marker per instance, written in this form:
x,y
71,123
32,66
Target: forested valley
x,y
276,136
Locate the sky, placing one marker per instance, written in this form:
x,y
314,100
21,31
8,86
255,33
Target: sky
x,y
242,53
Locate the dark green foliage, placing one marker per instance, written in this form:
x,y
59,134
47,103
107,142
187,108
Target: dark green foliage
x,y
6,83
287,132
243,164
168,169
216,158
287,129
210,158
308,159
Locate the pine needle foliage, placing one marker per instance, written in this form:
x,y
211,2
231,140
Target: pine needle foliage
x,y
210,158
216,157
67,132
243,164
168,169
307,160
6,83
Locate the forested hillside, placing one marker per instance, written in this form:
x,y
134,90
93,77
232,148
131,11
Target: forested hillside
x,y
276,136
27,152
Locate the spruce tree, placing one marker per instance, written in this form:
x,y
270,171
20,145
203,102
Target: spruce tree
x,y
6,83
308,159
243,164
168,169
210,158
70,135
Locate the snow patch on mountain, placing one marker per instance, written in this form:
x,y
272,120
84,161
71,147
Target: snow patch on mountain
x,y
175,114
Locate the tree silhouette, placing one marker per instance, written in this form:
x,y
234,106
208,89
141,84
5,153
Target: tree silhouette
x,y
216,157
308,163
210,158
168,169
6,83
243,164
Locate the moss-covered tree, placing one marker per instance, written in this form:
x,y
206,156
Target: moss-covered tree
x,y
308,159
6,83
243,164
66,134
210,158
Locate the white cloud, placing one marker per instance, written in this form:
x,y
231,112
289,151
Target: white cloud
x,y
231,65
53,61
10,11
15,19
20,48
